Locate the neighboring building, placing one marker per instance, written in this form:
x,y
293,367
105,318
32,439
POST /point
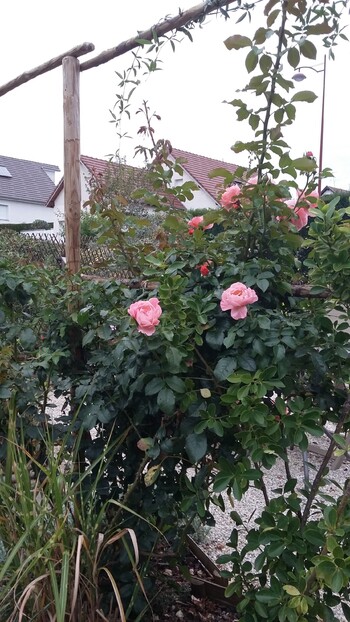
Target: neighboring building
x,y
195,168
25,187
93,168
333,190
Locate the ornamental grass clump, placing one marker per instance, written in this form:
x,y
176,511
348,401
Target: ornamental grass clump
x,y
57,537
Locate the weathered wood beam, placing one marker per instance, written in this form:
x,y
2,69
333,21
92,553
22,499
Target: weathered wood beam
x,y
72,184
167,25
79,50
305,291
299,291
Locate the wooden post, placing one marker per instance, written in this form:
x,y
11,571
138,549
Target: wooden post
x,y
72,184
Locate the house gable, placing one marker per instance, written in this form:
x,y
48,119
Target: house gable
x,y
198,168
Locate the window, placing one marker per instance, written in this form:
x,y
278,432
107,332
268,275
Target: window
x,y
4,172
4,212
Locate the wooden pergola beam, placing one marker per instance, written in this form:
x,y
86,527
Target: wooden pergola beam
x,y
165,26
79,50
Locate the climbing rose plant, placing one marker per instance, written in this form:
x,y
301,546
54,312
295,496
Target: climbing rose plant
x,y
205,374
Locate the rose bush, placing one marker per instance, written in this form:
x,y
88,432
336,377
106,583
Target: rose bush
x,y
203,401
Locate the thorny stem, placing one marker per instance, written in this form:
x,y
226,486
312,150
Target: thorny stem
x,y
263,486
316,483
273,88
208,369
132,487
344,500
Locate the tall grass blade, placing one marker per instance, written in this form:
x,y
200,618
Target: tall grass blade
x,y
25,596
116,593
76,574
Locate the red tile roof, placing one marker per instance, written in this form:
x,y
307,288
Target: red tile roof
x,y
98,167
199,166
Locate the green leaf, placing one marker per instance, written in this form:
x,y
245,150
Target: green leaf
x,y
5,393
265,63
272,17
260,36
320,29
247,362
275,549
261,610
27,337
291,590
293,57
308,49
254,121
143,41
251,61
236,42
337,581
263,284
264,322
174,358
304,96
224,367
152,474
155,261
306,165
196,446
265,595
172,223
166,401
314,536
215,338
223,172
154,386
176,384
88,337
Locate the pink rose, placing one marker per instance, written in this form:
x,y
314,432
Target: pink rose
x,y
309,154
236,298
301,214
195,222
229,198
146,314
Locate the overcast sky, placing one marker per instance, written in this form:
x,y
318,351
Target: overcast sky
x,y
188,94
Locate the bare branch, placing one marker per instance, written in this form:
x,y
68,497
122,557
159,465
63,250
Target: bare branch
x,y
344,415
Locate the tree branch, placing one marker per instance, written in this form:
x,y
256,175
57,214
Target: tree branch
x,y
316,483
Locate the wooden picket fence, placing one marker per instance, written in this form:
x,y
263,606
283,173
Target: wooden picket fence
x,y
48,248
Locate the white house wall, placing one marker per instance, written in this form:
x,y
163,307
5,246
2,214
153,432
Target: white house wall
x,y
59,201
18,212
201,200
